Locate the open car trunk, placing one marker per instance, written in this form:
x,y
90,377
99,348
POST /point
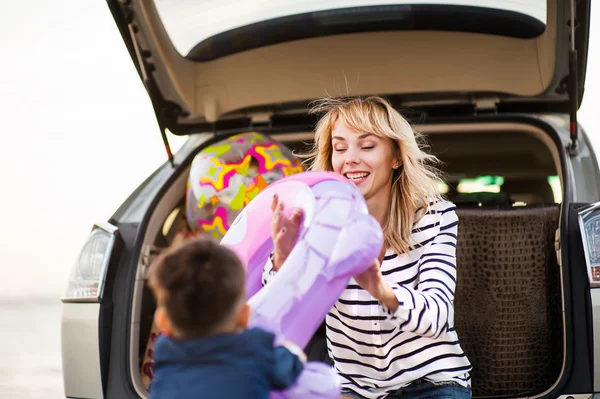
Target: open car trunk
x,y
508,308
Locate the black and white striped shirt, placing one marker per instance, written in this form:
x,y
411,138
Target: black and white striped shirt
x,y
376,351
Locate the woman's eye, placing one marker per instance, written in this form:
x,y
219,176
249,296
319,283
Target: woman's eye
x,y
339,149
368,147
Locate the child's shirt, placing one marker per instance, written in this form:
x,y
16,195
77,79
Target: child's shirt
x,y
241,365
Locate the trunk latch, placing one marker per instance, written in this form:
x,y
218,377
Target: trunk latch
x,y
485,105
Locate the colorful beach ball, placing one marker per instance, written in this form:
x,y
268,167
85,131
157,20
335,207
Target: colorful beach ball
x,y
227,175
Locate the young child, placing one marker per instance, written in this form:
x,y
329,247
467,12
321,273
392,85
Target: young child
x,y
205,349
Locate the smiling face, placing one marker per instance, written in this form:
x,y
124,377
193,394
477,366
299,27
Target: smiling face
x,y
365,159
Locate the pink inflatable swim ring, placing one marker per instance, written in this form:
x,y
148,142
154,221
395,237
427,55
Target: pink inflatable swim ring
x,y
338,239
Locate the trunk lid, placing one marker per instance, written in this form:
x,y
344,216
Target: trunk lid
x,y
236,65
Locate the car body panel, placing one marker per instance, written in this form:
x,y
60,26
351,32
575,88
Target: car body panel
x,y
80,350
595,296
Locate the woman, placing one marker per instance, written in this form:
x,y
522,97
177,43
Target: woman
x,y
390,334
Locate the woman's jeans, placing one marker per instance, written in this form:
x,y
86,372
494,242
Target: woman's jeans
x,y
424,389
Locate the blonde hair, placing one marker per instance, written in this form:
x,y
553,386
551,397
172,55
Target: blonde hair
x,y
414,184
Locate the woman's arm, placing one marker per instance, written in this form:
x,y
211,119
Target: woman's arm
x,y
427,310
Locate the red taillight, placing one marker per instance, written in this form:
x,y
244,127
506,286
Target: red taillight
x,y
589,223
87,278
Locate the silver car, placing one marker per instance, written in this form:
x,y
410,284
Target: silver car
x,y
495,85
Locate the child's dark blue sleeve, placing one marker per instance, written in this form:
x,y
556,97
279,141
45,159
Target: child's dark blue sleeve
x,y
287,368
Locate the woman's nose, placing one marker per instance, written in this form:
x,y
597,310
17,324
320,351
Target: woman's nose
x,y
352,158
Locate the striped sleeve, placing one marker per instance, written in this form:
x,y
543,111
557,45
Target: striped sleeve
x,y
428,309
268,272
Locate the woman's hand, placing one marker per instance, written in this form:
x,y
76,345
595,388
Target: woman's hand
x,y
371,280
284,232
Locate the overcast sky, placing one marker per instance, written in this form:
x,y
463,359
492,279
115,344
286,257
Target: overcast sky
x,y
78,134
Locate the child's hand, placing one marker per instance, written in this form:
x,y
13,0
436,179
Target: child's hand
x,y
295,349
181,236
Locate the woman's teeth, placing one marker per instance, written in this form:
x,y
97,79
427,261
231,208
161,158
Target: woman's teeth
x,y
356,176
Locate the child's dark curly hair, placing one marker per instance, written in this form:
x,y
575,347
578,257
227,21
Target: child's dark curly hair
x,y
200,284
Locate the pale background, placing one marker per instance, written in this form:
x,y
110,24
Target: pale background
x,y
78,134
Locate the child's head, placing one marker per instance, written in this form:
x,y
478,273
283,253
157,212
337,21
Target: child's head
x,y
200,290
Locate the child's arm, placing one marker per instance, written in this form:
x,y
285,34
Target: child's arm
x,y
289,362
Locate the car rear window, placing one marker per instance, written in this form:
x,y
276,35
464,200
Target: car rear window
x,y
204,30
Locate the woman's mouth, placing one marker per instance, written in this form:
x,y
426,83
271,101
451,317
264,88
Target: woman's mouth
x,y
357,177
